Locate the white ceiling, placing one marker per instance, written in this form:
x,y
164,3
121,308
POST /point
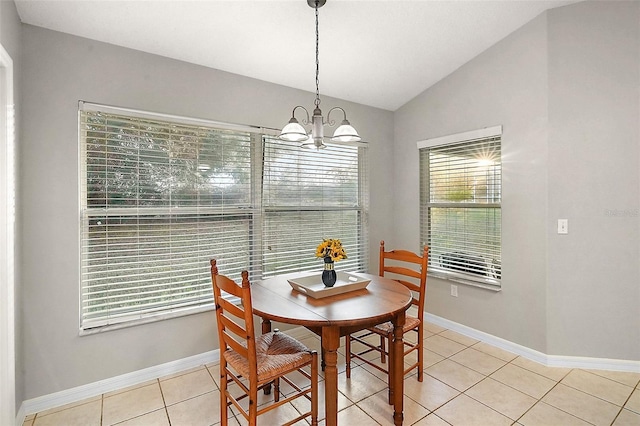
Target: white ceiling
x,y
380,53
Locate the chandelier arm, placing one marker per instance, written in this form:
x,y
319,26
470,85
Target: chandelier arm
x,y
306,121
332,123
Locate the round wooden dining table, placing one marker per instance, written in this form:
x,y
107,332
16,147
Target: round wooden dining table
x,y
383,299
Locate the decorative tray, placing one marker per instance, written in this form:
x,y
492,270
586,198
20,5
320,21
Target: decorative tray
x,y
312,285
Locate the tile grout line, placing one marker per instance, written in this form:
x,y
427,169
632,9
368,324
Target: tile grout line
x,y
435,378
164,402
583,392
595,396
517,390
554,386
625,403
355,404
483,379
539,400
482,403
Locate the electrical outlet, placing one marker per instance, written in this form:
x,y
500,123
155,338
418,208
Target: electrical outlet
x,y
454,290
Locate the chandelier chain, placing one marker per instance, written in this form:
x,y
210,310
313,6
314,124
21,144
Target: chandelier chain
x,y
317,101
295,132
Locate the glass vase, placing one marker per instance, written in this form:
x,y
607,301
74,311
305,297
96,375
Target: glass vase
x,y
328,274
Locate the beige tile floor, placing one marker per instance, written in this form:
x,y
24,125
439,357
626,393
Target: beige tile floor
x,y
466,383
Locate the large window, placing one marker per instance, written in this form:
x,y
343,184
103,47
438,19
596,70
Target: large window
x,y
163,195
460,205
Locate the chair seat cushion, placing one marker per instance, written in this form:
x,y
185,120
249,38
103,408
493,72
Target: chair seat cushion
x,y
387,327
276,352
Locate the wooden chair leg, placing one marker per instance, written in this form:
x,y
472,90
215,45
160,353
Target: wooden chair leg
x,y
253,405
314,389
347,349
390,368
224,407
266,329
382,346
420,354
276,389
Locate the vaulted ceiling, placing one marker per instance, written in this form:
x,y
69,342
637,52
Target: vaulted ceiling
x,y
377,53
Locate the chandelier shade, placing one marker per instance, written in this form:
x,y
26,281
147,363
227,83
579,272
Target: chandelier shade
x,y
293,131
346,133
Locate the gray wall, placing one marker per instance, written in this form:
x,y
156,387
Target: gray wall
x,y
59,70
11,40
565,88
594,91
506,85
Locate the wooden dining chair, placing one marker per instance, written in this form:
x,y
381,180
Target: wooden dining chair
x,y
254,363
409,269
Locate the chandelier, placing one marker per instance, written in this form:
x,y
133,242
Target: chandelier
x,y
295,132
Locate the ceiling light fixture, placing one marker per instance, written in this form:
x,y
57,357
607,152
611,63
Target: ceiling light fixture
x,y
294,132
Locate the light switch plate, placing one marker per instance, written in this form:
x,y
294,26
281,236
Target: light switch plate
x,y
563,226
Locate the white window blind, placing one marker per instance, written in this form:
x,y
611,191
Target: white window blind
x,y
460,200
159,200
310,195
161,196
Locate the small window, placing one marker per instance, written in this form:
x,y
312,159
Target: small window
x,y
460,205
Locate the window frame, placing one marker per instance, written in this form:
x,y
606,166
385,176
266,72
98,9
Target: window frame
x,y
255,210
458,273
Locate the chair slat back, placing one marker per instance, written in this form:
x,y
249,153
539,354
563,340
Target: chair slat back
x,y
404,265
235,323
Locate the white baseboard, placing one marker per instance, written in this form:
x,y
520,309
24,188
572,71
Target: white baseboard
x,y
79,393
533,355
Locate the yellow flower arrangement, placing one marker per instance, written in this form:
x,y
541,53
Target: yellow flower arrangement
x,y
331,248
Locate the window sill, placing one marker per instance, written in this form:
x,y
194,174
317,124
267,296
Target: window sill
x,y
464,281
146,320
